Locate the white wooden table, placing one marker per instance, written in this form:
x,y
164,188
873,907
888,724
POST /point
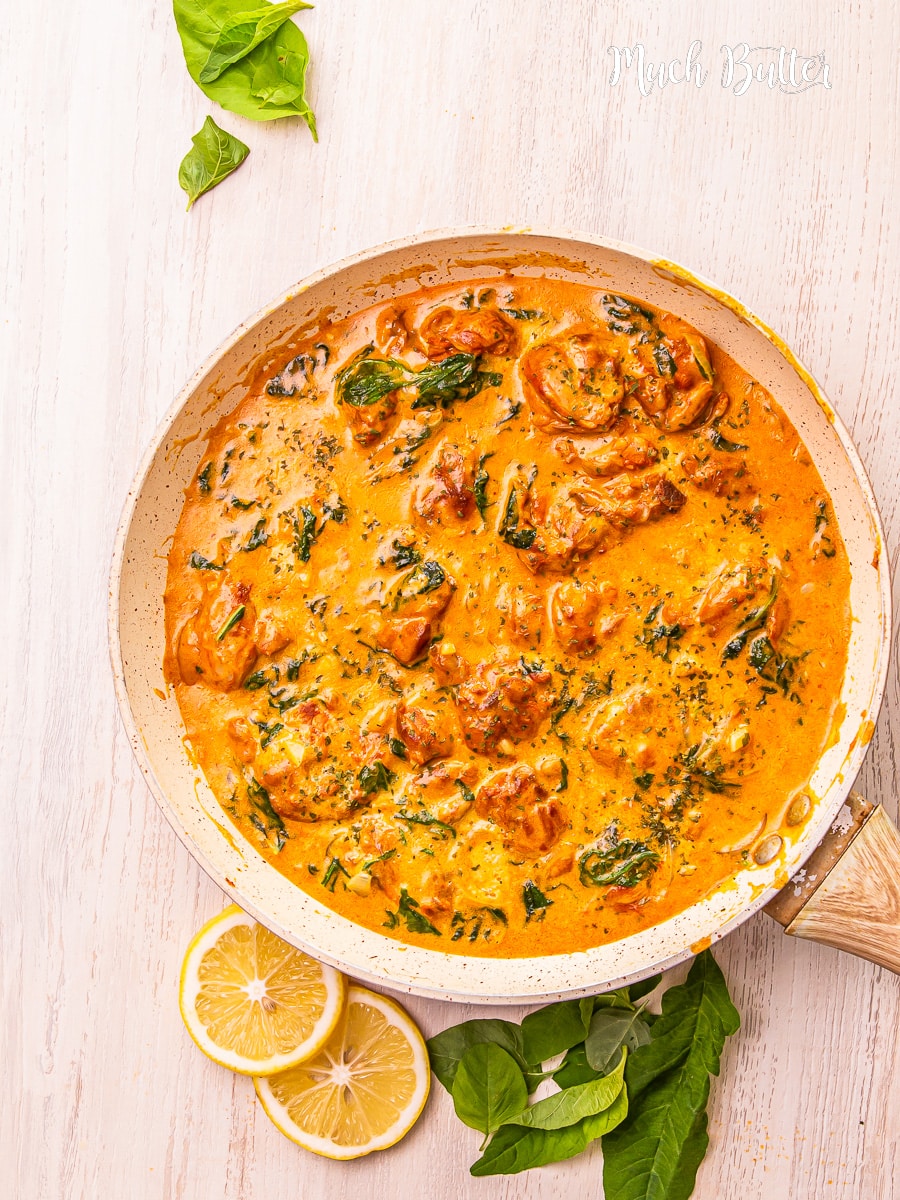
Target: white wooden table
x,y
430,114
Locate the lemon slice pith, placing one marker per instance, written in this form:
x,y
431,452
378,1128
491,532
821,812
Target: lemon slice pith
x,y
363,1090
251,1001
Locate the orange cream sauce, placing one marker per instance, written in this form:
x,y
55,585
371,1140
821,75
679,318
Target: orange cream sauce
x,y
507,619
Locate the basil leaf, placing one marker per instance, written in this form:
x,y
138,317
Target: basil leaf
x,y
574,1103
242,33
266,83
515,1148
657,1150
447,1049
553,1029
488,1088
611,1029
215,154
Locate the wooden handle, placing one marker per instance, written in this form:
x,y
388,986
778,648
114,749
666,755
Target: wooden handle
x,y
848,893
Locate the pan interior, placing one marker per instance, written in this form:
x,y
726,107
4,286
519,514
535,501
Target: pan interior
x,y
154,505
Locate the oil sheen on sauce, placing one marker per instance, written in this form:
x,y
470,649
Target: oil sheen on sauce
x,y
507,619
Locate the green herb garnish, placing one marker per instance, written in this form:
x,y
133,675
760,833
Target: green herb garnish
x,y
199,563
230,622
521,539
375,777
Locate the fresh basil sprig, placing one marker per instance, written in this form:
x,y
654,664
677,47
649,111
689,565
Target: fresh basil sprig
x,y
214,156
639,1081
250,58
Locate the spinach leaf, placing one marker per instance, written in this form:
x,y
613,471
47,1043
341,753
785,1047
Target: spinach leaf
x,y
242,33
366,381
615,863
258,537
657,1150
264,84
514,1148
518,1147
213,157
416,922
554,1028
425,818
481,481
637,991
611,1029
265,819
722,443
404,556
574,1069
521,539
330,878
375,777
305,532
199,563
534,900
489,1087
575,1103
446,1049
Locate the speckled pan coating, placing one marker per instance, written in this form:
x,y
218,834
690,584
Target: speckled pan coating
x,y
151,513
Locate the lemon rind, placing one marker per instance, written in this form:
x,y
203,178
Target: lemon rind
x,y
325,1147
203,940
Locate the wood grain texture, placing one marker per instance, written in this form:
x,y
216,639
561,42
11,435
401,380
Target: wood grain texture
x,y
429,115
857,906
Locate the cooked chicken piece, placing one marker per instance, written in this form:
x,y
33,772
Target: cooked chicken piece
x,y
721,474
778,619
472,331
405,639
565,531
631,500
216,645
616,733
448,666
448,490
620,454
416,603
732,586
677,384
420,731
378,837
392,334
574,608
369,422
515,800
558,862
523,613
436,894
270,636
502,701
574,522
242,736
574,381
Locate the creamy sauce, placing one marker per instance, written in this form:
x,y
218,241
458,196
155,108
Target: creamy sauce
x,y
507,619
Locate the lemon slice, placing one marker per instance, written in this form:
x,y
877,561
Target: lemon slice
x,y
251,1001
364,1089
